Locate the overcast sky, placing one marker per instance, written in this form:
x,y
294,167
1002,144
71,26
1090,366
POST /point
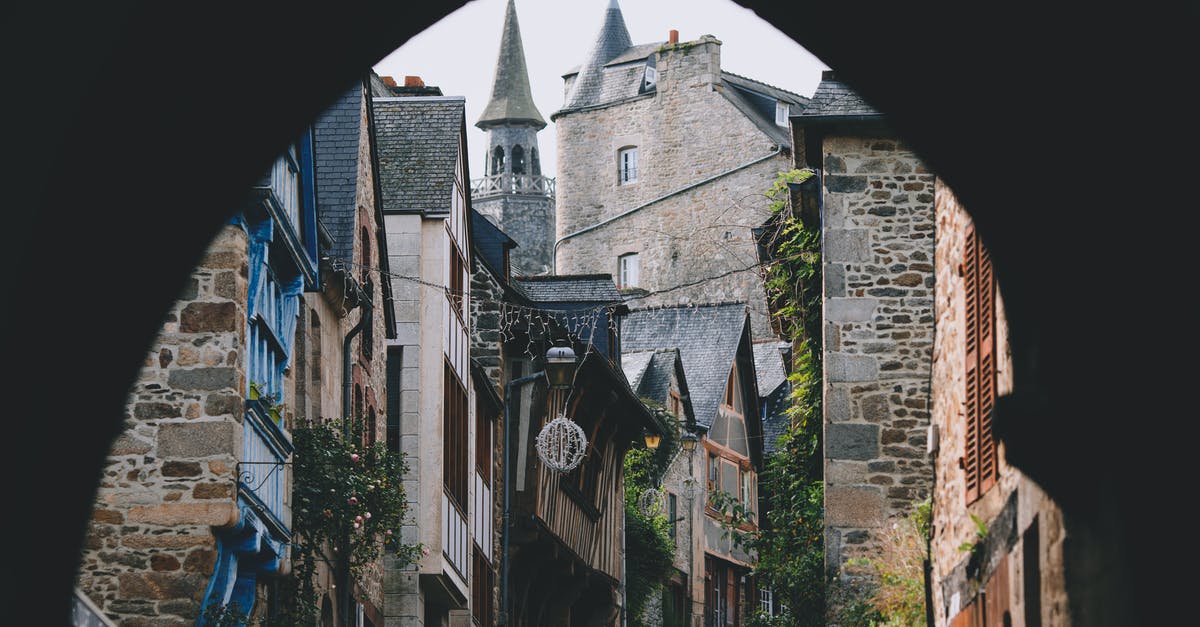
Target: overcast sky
x,y
459,53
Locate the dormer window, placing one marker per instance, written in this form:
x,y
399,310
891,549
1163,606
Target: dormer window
x,y
627,165
781,113
651,77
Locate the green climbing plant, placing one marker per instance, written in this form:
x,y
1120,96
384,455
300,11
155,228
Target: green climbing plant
x,y
349,505
649,549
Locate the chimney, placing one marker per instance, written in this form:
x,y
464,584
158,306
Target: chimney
x,y
673,37
828,75
389,81
413,81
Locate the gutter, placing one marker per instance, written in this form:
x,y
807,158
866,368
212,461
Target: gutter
x,y
774,153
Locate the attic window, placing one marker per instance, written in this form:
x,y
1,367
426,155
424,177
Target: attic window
x,y
651,77
781,113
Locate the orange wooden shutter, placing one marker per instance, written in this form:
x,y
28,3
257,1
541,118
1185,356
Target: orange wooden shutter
x,y
987,367
971,340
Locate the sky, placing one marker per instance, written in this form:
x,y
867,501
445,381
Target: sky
x,y
458,53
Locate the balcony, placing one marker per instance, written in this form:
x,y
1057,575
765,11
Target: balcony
x,y
456,538
263,472
527,184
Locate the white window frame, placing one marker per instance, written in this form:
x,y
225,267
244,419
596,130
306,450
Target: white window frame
x,y
782,110
629,270
627,165
651,76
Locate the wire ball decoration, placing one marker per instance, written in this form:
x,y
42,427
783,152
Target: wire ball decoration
x,y
561,444
652,502
691,488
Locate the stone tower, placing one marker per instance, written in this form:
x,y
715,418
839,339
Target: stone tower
x,y
513,192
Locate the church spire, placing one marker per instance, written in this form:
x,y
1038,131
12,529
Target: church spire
x,y
512,101
612,41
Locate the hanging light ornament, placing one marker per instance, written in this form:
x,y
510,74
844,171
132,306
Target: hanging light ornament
x,y
652,502
561,444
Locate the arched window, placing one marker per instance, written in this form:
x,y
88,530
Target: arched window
x,y
498,160
534,162
518,160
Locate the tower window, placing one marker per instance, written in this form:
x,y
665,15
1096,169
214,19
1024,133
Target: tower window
x,y
518,160
498,160
627,165
628,270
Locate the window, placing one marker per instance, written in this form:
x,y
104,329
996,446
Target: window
x,y
628,270
781,113
676,404
285,183
765,601
714,474
456,285
482,577
671,515
498,160
627,165
484,424
518,160
651,77
979,460
393,398
454,436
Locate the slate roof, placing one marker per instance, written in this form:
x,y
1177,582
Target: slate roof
x,y
335,154
634,364
511,99
418,148
707,337
834,99
490,242
775,420
569,288
768,365
611,41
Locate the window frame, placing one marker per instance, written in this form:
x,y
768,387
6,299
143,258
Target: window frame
x,y
623,274
627,167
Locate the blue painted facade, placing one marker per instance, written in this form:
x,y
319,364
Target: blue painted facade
x,y
280,221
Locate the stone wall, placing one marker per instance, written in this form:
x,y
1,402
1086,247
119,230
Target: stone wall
x,y
878,237
529,220
169,478
686,133
1015,508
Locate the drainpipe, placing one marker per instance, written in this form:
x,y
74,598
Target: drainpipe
x,y
366,318
509,389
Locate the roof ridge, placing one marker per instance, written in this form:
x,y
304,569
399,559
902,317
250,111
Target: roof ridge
x,y
755,80
692,306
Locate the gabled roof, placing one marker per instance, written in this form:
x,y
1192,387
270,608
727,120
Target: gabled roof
x,y
418,150
336,135
707,337
570,288
611,41
649,373
757,100
834,99
512,100
775,419
769,366
491,243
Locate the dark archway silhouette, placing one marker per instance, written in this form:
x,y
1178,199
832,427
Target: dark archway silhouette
x,y
135,127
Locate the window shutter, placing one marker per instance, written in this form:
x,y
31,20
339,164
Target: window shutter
x,y
987,368
971,340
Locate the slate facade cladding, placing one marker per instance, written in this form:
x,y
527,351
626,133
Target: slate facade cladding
x,y
418,169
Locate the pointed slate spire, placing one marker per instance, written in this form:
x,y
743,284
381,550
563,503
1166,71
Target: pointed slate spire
x,y
612,41
512,101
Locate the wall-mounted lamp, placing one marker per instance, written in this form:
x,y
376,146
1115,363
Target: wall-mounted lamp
x,y
689,440
652,439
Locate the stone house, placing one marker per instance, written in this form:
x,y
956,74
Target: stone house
x,y
663,160
194,512
1014,572
512,190
427,208
876,219
714,393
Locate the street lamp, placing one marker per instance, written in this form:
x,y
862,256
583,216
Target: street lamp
x,y
558,372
